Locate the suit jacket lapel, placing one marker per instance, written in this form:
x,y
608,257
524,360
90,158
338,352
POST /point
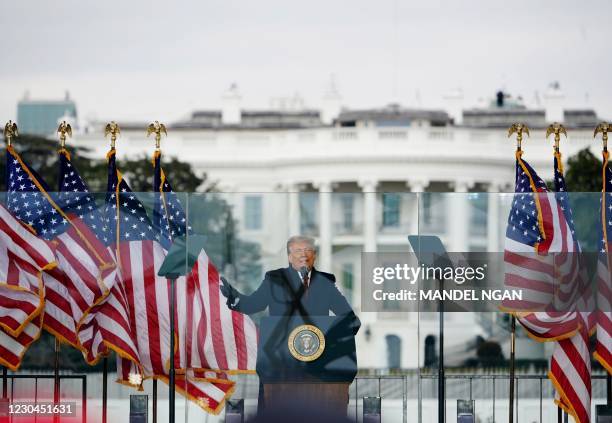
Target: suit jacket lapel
x,y
294,283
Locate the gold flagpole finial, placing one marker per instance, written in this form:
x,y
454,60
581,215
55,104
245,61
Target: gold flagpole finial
x,y
557,129
64,129
157,128
113,129
603,128
10,131
518,129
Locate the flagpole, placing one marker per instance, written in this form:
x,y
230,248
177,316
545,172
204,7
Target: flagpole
x,y
604,128
10,131
157,129
104,388
517,128
4,383
441,375
512,366
609,389
172,390
56,381
154,400
64,129
113,130
557,129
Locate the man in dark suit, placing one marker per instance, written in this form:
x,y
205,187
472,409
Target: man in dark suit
x,y
298,289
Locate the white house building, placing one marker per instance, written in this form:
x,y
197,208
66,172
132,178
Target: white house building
x,y
350,179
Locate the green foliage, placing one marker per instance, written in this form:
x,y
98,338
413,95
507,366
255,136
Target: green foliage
x,y
583,178
139,173
583,172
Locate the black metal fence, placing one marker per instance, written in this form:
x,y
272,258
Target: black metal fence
x,y
490,389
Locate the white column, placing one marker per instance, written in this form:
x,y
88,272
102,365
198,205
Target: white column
x,y
459,216
370,222
493,220
417,187
294,208
325,245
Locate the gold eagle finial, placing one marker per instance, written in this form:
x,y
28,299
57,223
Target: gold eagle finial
x,y
557,129
10,131
518,129
113,129
603,128
157,128
64,129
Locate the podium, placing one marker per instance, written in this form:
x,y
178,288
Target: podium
x,y
306,361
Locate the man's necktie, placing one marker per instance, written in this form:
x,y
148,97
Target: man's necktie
x,y
306,281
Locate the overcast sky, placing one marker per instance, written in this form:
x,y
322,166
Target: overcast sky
x,y
160,60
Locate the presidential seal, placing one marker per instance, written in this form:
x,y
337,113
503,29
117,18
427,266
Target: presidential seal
x,y
306,343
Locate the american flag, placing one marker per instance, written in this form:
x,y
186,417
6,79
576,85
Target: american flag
x,y
168,213
69,220
570,364
111,324
215,337
542,258
603,345
23,259
140,254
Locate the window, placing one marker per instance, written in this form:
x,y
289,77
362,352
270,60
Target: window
x,y
430,351
252,212
432,212
308,213
478,213
391,210
394,351
346,202
347,279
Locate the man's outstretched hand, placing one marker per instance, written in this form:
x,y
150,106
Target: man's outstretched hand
x,y
229,292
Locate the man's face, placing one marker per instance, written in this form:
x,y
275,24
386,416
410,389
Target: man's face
x,y
301,254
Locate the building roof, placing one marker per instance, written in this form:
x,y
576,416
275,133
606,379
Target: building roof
x,y
392,115
501,117
253,119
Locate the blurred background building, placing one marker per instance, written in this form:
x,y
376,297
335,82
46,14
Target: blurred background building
x,y
41,117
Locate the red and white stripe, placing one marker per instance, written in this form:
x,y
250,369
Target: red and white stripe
x,y
214,337
148,294
108,327
23,258
209,335
148,297
84,276
570,372
551,278
12,348
603,344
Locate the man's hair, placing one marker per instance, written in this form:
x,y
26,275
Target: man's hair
x,y
299,238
